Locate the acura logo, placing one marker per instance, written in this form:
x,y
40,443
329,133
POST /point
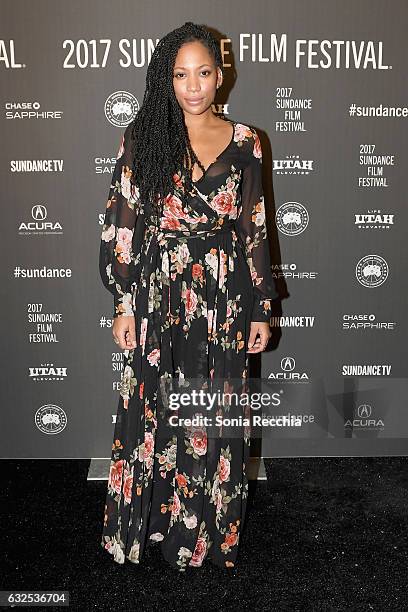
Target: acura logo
x,y
288,364
364,411
39,212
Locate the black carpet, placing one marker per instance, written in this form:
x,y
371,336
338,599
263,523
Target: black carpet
x,y
323,534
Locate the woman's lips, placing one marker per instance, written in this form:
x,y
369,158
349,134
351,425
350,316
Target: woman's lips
x,y
194,102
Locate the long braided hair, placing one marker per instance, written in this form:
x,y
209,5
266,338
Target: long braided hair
x,y
159,124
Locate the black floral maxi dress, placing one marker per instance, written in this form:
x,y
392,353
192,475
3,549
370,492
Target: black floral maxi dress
x,y
194,284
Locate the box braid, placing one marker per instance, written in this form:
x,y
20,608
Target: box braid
x,y
159,124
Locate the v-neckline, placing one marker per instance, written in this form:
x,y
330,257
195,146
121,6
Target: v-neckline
x,y
219,155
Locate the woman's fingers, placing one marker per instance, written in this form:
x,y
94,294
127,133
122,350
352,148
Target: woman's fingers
x,y
258,337
252,337
131,338
124,332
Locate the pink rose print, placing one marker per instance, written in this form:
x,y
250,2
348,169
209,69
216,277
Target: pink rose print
x,y
199,441
224,469
223,268
223,202
191,301
148,449
257,280
169,223
212,320
154,357
125,184
257,150
149,444
127,485
124,244
180,257
121,147
143,330
197,271
109,233
218,499
175,510
216,494
115,475
173,213
199,552
242,132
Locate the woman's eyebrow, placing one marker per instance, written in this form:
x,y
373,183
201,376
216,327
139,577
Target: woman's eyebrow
x,y
198,66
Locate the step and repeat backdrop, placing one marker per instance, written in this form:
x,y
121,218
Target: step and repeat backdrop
x,y
324,83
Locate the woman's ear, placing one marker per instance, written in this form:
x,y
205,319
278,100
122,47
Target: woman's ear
x,y
220,77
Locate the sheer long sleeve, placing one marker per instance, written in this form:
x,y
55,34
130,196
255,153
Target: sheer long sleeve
x,y
251,227
117,259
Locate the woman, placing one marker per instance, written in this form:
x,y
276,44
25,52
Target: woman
x,y
184,252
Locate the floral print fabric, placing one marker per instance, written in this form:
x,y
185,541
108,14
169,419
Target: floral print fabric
x,y
193,282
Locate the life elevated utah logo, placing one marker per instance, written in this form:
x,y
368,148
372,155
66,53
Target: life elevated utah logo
x,y
373,219
46,372
39,224
292,164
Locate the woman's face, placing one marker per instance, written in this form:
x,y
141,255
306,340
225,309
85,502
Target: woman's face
x,y
195,78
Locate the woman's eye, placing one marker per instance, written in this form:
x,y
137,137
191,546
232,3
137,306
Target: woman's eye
x,y
182,73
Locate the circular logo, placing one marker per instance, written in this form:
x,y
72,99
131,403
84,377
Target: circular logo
x,y
364,411
50,419
39,212
287,364
372,271
121,108
292,218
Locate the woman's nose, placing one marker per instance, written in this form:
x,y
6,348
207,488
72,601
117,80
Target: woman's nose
x,y
193,85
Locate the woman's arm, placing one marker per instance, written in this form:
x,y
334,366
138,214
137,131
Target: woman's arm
x,y
251,227
116,257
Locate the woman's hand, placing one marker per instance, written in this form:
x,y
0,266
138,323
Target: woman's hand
x,y
124,333
264,331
